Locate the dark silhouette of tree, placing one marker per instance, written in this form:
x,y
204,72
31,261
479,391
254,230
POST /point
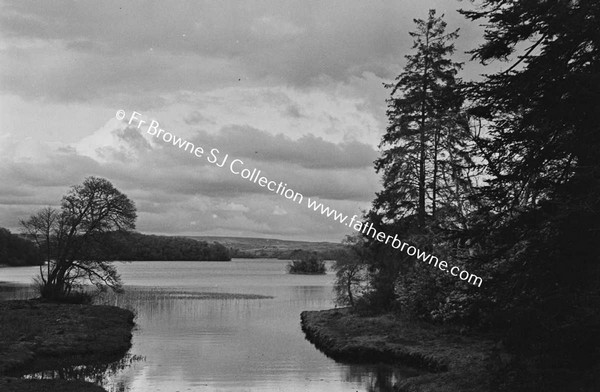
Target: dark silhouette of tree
x,y
75,248
16,251
306,262
144,247
536,235
351,271
542,109
425,153
428,169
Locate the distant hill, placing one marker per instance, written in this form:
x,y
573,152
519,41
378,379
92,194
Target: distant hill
x,y
248,247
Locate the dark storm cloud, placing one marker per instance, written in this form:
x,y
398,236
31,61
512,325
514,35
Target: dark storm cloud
x,y
92,49
314,166
172,189
309,151
301,79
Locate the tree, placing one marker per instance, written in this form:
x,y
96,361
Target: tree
x,y
74,241
351,271
538,229
543,108
138,247
305,262
426,164
17,251
426,130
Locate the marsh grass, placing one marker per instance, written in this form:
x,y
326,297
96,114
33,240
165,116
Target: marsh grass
x,y
159,294
17,327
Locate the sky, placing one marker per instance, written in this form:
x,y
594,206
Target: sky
x,y
292,88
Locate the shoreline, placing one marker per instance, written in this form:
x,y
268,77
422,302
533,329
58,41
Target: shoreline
x,y
39,336
450,362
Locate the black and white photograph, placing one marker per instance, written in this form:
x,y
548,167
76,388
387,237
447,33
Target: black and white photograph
x,y
300,196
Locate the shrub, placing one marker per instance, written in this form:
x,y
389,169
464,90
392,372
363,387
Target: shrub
x,y
304,262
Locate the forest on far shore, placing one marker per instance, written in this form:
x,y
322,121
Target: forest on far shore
x,y
18,251
145,247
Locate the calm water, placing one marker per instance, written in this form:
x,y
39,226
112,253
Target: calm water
x,y
192,336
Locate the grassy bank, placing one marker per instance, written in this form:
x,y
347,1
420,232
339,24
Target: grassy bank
x,y
37,336
450,362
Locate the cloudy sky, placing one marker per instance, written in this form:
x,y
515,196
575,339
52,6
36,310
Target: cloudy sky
x,y
293,88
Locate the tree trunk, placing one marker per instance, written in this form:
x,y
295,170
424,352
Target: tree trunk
x,y
421,211
349,288
435,170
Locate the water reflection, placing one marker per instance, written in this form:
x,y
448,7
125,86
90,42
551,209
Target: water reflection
x,y
97,373
225,326
377,378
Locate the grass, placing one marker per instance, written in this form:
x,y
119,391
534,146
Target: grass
x,y
17,327
37,335
451,362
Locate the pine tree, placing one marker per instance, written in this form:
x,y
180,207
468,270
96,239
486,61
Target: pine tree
x,y
542,215
544,106
425,164
423,159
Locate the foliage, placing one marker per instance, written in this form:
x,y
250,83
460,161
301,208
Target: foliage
x,y
543,109
530,229
351,271
17,251
72,239
429,170
142,247
541,213
306,262
425,159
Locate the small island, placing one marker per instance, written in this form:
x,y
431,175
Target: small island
x,y
306,263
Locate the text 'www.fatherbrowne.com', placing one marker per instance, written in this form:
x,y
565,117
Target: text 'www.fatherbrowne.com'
x,y
236,166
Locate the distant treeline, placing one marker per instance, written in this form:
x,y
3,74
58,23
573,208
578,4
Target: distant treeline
x,y
17,251
143,247
281,254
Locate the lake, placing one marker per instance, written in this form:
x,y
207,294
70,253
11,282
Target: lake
x,y
193,334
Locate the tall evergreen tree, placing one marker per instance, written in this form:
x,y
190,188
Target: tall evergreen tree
x,y
425,128
539,232
425,164
545,105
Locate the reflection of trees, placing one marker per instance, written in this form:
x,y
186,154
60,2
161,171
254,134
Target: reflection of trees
x,y
98,373
376,378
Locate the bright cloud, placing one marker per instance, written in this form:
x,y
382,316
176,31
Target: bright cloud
x,y
293,88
